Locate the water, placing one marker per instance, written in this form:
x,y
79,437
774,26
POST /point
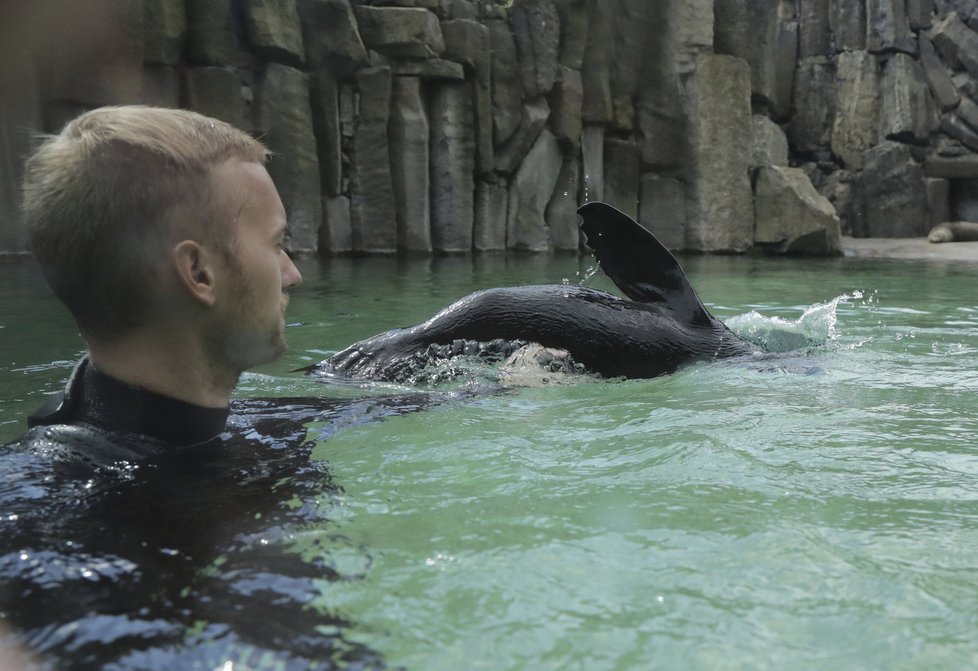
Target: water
x,y
815,509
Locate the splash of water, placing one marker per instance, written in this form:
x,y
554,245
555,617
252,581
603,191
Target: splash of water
x,y
590,272
814,328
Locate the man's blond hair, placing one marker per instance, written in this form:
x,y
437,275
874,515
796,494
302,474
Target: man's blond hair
x,y
104,198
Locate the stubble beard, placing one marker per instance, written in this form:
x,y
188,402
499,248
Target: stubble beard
x,y
238,343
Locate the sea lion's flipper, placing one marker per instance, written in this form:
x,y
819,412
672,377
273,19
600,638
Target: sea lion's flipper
x,y
638,264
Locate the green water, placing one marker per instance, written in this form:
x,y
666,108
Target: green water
x,y
733,515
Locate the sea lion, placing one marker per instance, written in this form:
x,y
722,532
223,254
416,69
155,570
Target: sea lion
x,y
954,231
662,325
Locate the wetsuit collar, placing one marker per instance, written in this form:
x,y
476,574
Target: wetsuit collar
x,y
108,403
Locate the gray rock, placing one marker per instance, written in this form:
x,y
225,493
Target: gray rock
x,y
324,96
161,86
642,47
941,86
856,125
814,102
623,114
962,7
536,31
19,120
410,32
814,36
216,92
275,31
847,20
214,33
284,118
644,82
906,110
956,167
634,34
719,208
463,9
336,233
662,210
773,49
409,165
887,28
507,91
791,216
529,193
890,197
956,42
968,112
508,156
372,208
769,146
662,125
786,49
468,43
960,131
938,200
694,32
331,38
164,31
811,170
966,208
573,33
561,212
731,30
965,84
920,13
592,156
109,71
566,101
661,118
622,175
946,147
491,12
452,167
596,69
348,103
491,208
429,68
837,187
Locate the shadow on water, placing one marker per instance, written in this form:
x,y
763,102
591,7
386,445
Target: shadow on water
x,y
206,556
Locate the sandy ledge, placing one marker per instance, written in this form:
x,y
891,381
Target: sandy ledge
x,y
909,248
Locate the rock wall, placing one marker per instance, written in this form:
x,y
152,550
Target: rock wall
x,y
882,118
452,126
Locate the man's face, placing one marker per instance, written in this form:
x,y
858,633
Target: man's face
x,y
253,285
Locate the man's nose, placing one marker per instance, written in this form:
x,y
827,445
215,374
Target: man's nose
x,y
290,274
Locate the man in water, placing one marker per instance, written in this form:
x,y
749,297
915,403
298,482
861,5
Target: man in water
x,y
162,233
135,530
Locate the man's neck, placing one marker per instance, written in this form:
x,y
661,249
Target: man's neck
x,y
165,367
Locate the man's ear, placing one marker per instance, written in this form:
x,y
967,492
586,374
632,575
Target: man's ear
x,y
195,271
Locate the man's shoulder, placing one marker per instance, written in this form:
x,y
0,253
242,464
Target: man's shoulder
x,y
84,443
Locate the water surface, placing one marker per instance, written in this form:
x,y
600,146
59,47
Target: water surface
x,y
819,509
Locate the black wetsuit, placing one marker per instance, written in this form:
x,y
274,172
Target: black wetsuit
x,y
102,421
141,532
